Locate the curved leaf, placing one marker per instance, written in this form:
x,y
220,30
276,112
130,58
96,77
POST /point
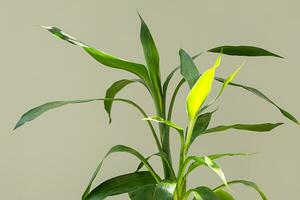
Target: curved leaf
x,y
248,127
201,90
104,58
113,90
222,195
261,95
125,149
38,111
164,191
188,68
246,183
121,184
243,51
204,193
144,193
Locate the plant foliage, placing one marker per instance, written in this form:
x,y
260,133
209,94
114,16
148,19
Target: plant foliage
x,y
149,184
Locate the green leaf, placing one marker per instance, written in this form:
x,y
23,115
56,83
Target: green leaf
x,y
102,57
164,191
151,56
201,90
188,68
144,193
248,127
261,95
124,149
206,161
246,183
121,184
204,193
243,51
201,124
222,195
38,111
113,90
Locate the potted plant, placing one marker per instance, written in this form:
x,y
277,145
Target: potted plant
x,y
149,184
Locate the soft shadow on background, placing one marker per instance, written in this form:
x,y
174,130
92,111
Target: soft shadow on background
x,y
54,156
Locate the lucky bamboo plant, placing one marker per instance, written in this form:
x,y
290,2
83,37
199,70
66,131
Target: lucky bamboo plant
x,y
149,184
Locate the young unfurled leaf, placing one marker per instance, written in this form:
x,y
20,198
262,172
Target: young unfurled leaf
x,y
122,184
222,195
164,191
201,90
104,58
124,149
188,68
243,51
113,90
246,183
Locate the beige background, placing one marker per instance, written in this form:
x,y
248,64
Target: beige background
x,y
54,157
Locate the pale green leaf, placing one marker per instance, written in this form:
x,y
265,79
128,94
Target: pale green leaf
x,y
222,195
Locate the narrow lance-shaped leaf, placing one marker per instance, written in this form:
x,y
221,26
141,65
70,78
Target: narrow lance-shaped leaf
x,y
151,56
122,184
248,127
188,68
38,111
112,91
102,57
243,51
125,149
144,193
201,90
261,95
246,183
164,191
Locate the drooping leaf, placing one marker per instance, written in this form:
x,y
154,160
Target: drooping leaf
x,y
248,127
243,51
188,68
201,124
37,111
261,95
122,184
102,57
208,162
151,57
112,91
204,193
201,90
144,193
222,195
246,183
124,149
164,191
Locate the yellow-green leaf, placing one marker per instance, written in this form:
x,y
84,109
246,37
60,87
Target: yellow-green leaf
x,y
201,90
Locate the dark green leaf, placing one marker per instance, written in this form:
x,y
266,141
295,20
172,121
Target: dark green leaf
x,y
188,68
261,95
164,191
204,193
151,56
144,193
124,149
248,127
222,195
37,111
243,51
113,90
246,183
201,124
121,184
104,58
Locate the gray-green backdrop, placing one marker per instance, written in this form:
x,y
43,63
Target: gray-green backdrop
x,y
54,157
